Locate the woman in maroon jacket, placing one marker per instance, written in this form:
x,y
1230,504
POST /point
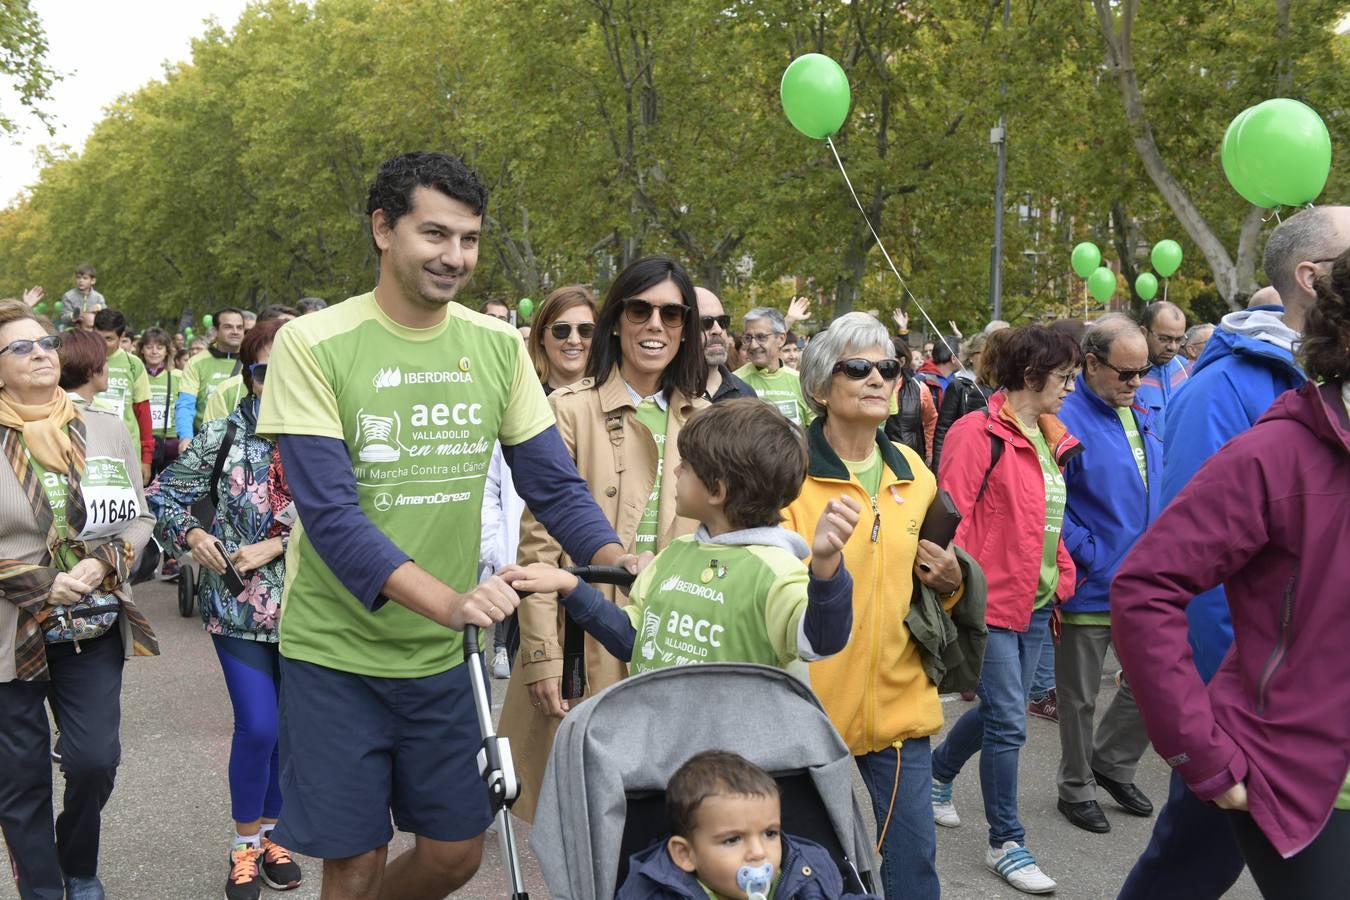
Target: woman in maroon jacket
x,y
1268,517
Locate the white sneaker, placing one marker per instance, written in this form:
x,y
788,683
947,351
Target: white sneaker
x,y
1015,865
944,811
501,664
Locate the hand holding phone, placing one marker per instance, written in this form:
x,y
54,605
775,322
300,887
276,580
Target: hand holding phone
x,y
234,582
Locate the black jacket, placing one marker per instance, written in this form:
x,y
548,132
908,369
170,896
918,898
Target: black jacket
x,y
962,396
906,426
731,387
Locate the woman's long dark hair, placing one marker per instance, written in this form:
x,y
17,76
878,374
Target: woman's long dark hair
x,y
1326,335
688,371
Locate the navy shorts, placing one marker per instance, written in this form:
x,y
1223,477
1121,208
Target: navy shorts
x,y
356,748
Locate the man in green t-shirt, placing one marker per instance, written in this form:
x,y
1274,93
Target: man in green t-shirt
x,y
776,384
225,396
205,371
128,393
1113,488
386,408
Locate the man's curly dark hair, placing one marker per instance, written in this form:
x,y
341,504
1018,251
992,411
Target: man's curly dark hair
x,y
393,187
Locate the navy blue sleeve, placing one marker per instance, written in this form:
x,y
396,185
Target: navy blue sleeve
x,y
547,478
828,619
323,485
604,621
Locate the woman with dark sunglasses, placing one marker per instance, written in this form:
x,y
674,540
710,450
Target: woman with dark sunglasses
x,y
644,379
560,341
230,462
71,518
877,691
559,345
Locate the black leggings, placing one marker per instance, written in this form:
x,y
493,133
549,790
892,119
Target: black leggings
x,y
1317,872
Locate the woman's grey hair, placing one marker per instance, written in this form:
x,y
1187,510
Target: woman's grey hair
x,y
770,315
847,335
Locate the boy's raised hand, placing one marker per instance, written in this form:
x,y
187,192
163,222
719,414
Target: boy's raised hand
x,y
539,578
835,527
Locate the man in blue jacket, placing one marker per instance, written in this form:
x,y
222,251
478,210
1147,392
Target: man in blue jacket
x,y
1248,362
1164,327
1113,496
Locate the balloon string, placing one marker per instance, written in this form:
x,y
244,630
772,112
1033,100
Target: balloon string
x,y
1165,280
915,300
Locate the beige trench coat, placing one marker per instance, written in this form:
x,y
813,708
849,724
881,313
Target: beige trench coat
x,y
616,455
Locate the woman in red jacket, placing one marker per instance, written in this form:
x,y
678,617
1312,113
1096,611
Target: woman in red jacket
x,y
1267,517
1004,469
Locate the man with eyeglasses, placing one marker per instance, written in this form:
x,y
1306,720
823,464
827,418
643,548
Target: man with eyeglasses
x,y
773,382
722,382
1164,327
1113,488
1248,362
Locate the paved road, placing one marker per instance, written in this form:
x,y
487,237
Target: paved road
x,y
167,827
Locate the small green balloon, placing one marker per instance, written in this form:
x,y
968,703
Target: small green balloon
x,y
1102,284
1228,156
525,308
1146,286
1284,150
1086,258
1166,258
815,95
207,321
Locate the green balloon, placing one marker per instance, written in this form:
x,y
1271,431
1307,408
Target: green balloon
x,y
207,321
187,333
1166,258
815,95
1146,286
1284,151
1086,258
1102,284
1228,155
525,307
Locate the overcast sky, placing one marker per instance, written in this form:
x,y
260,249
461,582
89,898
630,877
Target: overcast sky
x,y
104,49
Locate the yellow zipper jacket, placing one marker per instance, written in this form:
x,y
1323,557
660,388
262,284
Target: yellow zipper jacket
x,y
875,691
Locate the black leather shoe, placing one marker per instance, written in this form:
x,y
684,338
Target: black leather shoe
x,y
84,888
1086,815
1130,798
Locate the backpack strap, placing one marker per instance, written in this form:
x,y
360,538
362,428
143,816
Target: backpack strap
x,y
225,444
995,453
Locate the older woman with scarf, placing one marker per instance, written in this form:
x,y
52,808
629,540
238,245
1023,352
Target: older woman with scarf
x,y
72,517
230,462
643,380
880,691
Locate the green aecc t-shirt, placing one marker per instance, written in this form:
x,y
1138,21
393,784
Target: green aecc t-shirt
x,y
782,388
419,410
1056,497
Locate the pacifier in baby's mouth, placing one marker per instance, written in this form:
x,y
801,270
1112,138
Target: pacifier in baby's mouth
x,y
755,880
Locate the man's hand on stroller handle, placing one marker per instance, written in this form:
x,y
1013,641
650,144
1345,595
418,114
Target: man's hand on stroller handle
x,y
489,603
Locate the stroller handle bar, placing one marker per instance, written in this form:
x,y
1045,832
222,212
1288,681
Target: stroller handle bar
x,y
617,575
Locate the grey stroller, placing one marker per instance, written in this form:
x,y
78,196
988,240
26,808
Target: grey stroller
x,y
603,797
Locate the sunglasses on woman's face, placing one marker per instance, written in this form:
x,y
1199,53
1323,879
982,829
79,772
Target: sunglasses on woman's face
x,y
51,343
639,312
858,368
709,321
561,331
258,371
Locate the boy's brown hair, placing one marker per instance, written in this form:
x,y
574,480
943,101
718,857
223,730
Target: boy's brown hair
x,y
754,451
86,269
709,774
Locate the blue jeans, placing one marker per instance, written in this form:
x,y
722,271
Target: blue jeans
x,y
997,728
1192,854
1044,682
909,846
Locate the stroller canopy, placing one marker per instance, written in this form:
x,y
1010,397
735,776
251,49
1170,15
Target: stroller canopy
x,y
632,736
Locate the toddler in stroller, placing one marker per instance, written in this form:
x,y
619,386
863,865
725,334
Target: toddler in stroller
x,y
604,793
727,841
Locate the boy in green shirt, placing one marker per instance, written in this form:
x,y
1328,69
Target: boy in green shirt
x,y
128,393
737,590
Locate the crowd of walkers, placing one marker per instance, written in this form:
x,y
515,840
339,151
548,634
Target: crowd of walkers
x,y
1175,495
